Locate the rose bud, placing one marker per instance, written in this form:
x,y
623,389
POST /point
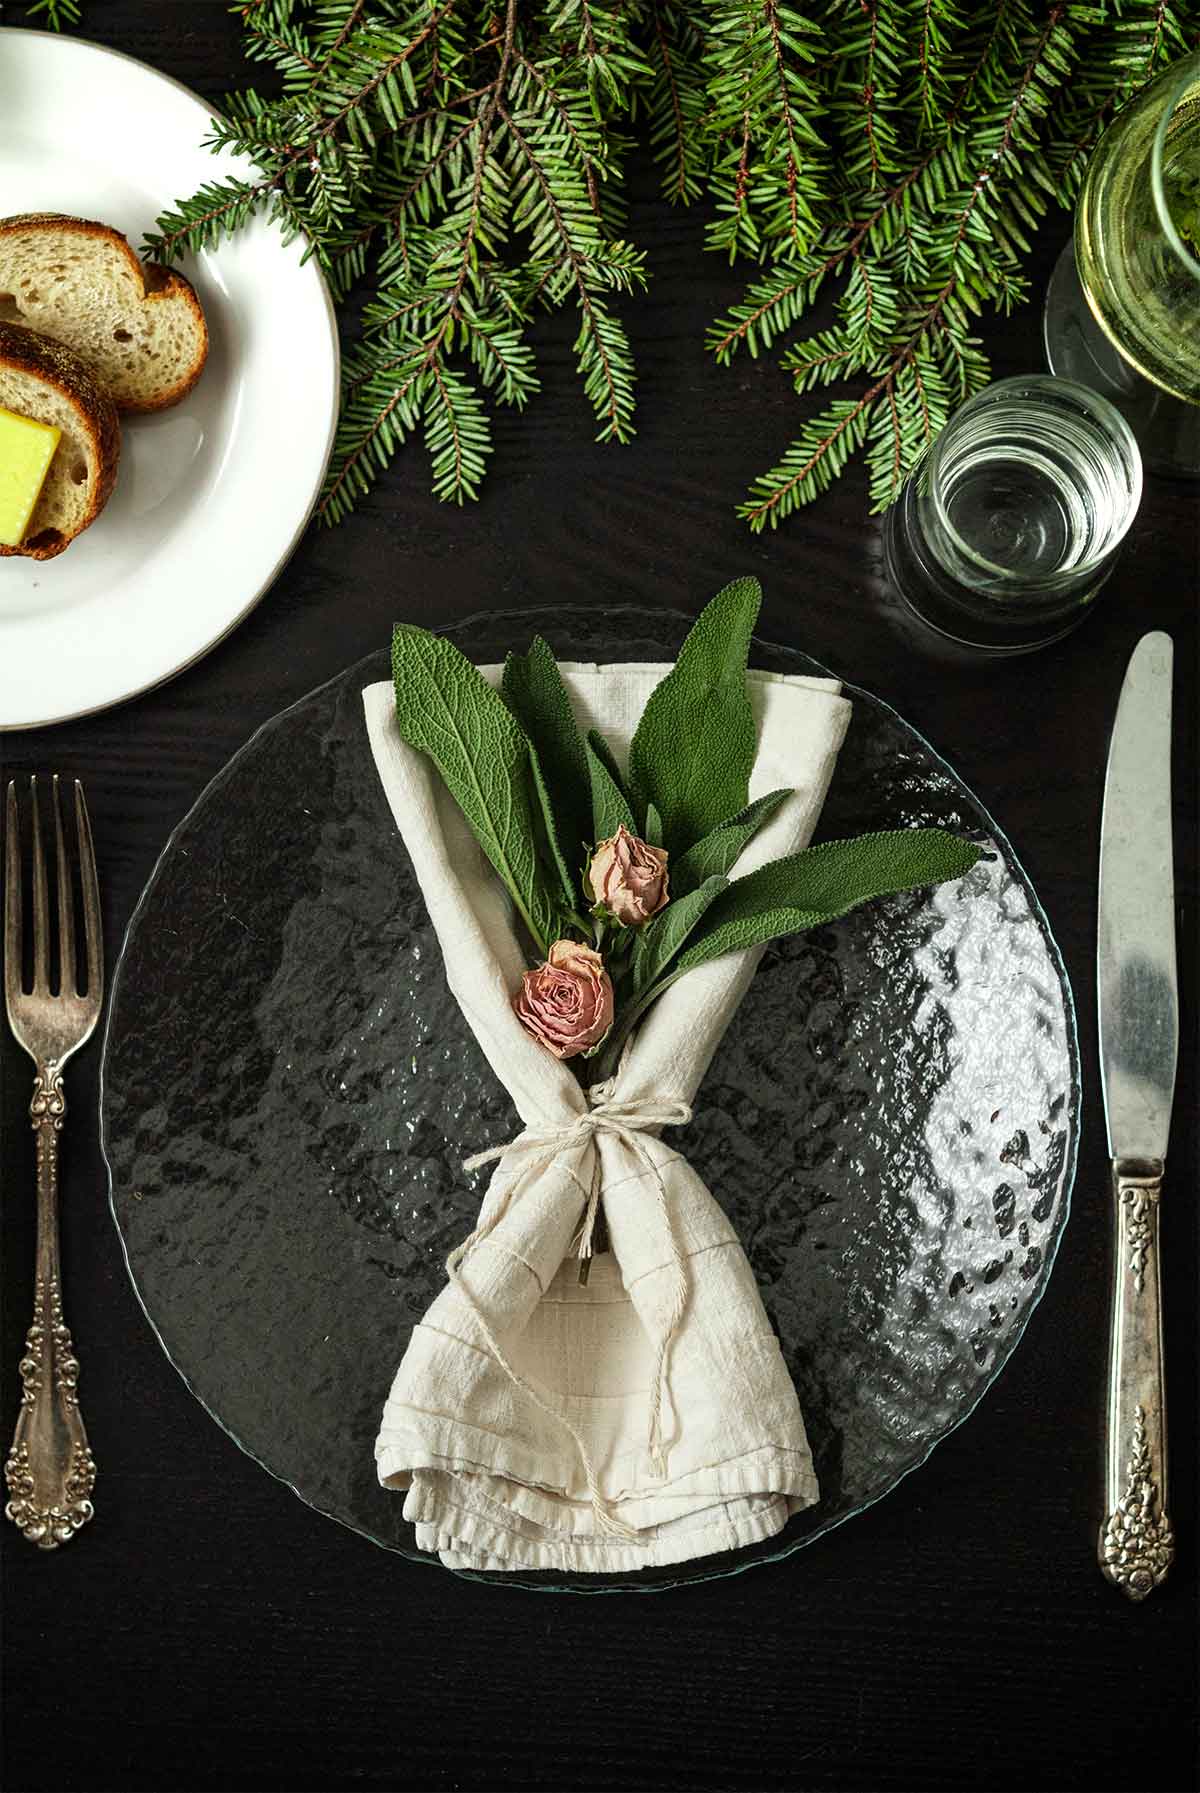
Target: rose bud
x,y
629,877
567,1003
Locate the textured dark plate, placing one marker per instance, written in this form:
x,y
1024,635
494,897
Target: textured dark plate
x,y
289,1090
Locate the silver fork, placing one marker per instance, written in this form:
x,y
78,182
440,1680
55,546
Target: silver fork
x,y
50,1470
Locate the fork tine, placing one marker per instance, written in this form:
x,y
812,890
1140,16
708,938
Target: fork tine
x,y
41,902
66,905
12,897
93,938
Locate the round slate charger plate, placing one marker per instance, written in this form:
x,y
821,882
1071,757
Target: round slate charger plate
x,y
289,1090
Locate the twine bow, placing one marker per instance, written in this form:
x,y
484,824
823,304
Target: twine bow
x,y
628,1122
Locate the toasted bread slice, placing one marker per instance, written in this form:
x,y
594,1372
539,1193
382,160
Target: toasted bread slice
x,y
139,327
43,379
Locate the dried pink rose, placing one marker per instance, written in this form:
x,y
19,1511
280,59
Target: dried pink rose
x,y
629,877
567,1003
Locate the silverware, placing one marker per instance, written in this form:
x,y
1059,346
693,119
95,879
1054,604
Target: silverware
x,y
50,1470
1139,1035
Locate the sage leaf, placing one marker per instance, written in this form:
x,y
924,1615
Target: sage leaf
x,y
610,808
813,887
649,971
446,709
695,745
608,760
653,826
534,691
549,847
661,938
719,851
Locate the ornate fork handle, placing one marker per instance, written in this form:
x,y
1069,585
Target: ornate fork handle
x,y
1136,1543
50,1471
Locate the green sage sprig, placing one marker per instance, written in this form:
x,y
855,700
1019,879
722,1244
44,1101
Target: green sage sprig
x,y
540,797
876,168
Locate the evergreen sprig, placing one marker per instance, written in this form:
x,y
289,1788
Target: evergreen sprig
x,y
457,168
56,15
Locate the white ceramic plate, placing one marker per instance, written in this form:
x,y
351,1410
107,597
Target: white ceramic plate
x,y
212,495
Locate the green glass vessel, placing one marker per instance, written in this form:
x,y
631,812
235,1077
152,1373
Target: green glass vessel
x,y
1136,231
1123,307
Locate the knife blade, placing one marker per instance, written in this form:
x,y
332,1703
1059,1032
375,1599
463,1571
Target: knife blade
x,y
1138,1006
1135,957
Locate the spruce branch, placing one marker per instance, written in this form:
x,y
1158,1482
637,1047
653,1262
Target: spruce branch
x,y
601,348
457,167
57,14
673,141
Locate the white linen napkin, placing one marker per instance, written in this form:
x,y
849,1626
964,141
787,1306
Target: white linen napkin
x,y
646,1417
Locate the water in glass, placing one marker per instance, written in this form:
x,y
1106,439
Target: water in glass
x,y
1028,494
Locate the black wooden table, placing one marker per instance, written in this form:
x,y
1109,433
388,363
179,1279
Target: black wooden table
x,y
210,1631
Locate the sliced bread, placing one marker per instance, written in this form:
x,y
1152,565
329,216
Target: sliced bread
x,y
45,380
139,327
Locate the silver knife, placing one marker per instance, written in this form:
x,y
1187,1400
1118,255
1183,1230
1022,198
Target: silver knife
x,y
1139,1037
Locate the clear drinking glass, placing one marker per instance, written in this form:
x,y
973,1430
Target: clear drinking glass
x,y
1014,519
1123,306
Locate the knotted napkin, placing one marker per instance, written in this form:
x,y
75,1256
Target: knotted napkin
x,y
646,1416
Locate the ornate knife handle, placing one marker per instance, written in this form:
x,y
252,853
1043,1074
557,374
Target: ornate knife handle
x,y
49,1471
1136,1544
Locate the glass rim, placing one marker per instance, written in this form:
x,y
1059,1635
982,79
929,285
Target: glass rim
x,y
1106,414
1188,70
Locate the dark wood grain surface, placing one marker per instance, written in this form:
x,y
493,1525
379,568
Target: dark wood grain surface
x,y
208,1630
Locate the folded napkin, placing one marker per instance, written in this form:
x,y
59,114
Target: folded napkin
x,y
646,1417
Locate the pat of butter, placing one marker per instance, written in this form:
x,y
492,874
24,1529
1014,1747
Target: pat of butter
x,y
26,451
